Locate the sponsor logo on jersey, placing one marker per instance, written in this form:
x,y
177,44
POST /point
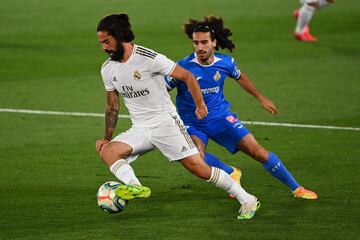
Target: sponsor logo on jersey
x,y
128,92
210,90
217,76
136,75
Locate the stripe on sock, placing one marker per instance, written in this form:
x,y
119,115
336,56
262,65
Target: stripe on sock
x,y
215,174
118,164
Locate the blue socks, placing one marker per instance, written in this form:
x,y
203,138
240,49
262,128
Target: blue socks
x,y
212,160
277,169
273,165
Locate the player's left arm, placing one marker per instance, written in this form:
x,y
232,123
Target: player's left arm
x,y
194,88
249,87
111,118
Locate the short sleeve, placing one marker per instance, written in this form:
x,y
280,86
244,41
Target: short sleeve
x,y
235,71
163,65
109,86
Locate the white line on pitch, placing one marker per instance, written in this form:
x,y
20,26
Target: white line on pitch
x,y
10,110
300,125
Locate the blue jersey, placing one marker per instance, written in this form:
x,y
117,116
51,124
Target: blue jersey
x,y
211,79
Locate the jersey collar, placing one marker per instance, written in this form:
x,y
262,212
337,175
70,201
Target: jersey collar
x,y
216,59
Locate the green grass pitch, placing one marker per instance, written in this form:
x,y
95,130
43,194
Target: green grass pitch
x,y
49,169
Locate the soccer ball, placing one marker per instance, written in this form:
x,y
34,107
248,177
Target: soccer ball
x,y
107,199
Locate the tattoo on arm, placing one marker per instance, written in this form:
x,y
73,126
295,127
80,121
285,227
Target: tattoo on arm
x,y
111,113
111,117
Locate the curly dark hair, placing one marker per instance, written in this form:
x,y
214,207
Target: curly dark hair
x,y
118,26
214,25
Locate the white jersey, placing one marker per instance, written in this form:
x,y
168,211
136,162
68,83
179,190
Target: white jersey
x,y
140,82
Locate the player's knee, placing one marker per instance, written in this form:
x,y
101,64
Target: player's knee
x,y
109,154
104,153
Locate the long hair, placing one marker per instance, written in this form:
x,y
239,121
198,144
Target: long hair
x,y
118,26
214,25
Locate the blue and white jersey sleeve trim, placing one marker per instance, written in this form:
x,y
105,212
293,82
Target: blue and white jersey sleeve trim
x,y
236,73
170,82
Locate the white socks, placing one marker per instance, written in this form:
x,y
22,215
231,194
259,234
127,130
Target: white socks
x,y
222,180
305,14
124,172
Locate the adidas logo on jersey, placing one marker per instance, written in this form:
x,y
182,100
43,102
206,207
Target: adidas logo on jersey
x,y
184,149
114,79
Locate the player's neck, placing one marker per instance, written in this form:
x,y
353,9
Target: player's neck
x,y
128,47
208,61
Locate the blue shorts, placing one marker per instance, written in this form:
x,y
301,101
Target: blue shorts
x,y
226,130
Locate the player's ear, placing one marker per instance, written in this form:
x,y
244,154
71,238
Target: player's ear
x,y
214,43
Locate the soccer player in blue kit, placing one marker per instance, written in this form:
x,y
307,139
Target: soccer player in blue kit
x,y
221,125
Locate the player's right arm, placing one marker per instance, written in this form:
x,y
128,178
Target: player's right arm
x,y
249,87
111,118
194,88
166,67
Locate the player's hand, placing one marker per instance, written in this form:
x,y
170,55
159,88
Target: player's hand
x,y
100,144
201,111
269,105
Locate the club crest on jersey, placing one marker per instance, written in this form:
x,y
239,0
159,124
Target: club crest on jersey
x,y
217,76
231,119
136,75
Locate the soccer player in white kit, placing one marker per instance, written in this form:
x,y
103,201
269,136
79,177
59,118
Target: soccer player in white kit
x,y
136,73
303,16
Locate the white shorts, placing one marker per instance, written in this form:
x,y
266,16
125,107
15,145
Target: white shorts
x,y
171,139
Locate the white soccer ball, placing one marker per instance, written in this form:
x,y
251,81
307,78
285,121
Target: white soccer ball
x,y
107,200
